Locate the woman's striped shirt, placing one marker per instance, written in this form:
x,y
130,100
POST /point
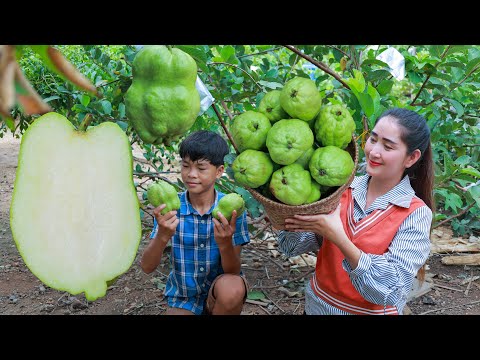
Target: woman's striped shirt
x,y
381,279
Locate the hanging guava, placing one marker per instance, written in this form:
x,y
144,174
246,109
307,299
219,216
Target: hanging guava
x,y
162,102
75,213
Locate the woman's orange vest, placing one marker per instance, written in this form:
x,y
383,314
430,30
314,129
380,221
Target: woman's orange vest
x,y
373,235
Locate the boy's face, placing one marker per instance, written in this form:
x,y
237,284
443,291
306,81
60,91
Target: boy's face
x,y
200,175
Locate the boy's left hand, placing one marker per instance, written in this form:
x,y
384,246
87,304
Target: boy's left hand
x,y
223,230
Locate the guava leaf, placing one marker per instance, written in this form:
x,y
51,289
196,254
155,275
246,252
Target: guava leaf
x,y
57,63
255,295
453,201
471,171
475,192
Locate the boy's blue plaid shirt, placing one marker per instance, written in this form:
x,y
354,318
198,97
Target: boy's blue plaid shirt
x,y
195,256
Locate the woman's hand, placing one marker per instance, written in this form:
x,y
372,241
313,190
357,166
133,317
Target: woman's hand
x,y
327,225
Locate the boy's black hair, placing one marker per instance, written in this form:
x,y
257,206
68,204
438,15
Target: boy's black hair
x,y
204,145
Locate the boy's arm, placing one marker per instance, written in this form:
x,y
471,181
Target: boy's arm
x,y
229,253
167,225
153,253
230,257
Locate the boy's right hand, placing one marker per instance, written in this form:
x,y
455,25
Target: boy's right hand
x,y
167,224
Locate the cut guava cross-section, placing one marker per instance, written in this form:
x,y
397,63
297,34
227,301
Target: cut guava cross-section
x,y
75,213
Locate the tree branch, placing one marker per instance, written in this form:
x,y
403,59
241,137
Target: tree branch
x,y
288,282
224,126
339,50
449,307
455,216
429,75
318,64
260,52
239,68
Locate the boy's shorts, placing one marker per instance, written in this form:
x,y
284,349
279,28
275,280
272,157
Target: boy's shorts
x,y
210,302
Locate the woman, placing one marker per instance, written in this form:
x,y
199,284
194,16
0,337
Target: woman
x,y
377,239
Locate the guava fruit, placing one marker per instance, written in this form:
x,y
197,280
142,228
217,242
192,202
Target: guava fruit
x,y
161,192
300,98
315,193
288,139
291,184
162,102
252,168
334,126
304,159
249,130
271,108
227,204
75,215
331,166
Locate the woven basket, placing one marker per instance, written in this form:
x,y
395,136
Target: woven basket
x,y
277,212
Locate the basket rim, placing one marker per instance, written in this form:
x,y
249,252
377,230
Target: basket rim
x,y
319,203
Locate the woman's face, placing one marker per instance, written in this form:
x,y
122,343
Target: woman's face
x,y
386,153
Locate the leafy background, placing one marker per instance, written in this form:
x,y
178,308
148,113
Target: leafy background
x,y
441,83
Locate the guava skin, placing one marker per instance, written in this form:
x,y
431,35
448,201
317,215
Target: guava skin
x,y
161,192
291,184
288,139
300,98
304,159
271,108
334,126
331,166
162,102
249,130
315,193
227,204
252,168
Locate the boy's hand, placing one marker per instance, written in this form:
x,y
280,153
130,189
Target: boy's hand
x,y
167,224
223,230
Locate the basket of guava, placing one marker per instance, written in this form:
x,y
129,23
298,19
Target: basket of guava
x,y
304,166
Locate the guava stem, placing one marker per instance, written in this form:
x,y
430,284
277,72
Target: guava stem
x,y
86,121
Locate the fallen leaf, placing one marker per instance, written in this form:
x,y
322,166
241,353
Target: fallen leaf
x,y
255,295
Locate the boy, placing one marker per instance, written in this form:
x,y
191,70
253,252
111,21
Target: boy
x,y
205,254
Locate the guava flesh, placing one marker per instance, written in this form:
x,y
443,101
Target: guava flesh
x,y
75,213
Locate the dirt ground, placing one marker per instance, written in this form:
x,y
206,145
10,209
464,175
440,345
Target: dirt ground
x,y
276,282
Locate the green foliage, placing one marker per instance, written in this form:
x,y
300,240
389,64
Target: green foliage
x,y
442,83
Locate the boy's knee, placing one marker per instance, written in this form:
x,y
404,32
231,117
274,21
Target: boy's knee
x,y
230,289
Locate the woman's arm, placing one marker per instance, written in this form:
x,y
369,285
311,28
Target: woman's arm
x,y
296,243
387,279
